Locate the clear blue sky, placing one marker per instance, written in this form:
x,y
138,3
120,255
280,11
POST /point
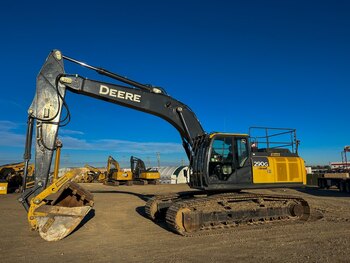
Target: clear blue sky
x,y
235,63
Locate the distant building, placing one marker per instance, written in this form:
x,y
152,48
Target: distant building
x,y
341,165
173,174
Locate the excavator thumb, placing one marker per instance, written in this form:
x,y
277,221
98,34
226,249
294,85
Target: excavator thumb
x,y
60,208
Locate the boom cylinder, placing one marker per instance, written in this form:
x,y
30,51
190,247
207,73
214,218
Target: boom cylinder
x,y
27,150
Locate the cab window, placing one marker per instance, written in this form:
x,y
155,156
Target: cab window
x,y
242,151
221,165
222,149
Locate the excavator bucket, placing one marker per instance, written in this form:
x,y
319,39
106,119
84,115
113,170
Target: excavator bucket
x,y
59,209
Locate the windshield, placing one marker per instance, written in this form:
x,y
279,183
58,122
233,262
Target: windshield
x,y
222,149
228,153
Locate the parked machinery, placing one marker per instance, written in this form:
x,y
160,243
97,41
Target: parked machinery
x,y
84,176
96,173
13,175
339,177
141,174
221,164
115,175
90,174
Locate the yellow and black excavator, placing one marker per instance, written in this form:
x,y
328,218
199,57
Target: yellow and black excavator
x,y
115,175
13,174
220,164
95,173
141,174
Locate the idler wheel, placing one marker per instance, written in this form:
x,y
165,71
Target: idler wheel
x,y
296,210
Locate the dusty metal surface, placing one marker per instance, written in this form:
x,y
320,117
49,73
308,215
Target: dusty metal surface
x,y
61,221
61,212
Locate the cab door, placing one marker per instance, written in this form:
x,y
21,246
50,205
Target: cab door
x,y
229,160
243,162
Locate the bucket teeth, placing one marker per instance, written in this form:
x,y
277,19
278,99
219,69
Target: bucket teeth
x,y
63,211
72,194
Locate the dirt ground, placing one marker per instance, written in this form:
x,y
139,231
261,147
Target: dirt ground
x,y
118,231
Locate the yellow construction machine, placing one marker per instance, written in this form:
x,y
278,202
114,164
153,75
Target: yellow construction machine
x,y
141,174
96,173
83,175
13,175
221,165
115,175
90,174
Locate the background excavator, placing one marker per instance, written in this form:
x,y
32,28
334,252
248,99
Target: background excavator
x,y
111,175
221,164
141,174
115,175
95,173
85,176
13,174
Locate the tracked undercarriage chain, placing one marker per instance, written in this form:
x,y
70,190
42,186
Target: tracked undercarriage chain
x,y
156,207
217,213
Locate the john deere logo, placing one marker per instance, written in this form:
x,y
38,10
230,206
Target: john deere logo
x,y
105,90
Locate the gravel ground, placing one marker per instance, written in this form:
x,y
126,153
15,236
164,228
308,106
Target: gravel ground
x,y
117,231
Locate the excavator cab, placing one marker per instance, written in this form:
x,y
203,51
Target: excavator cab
x,y
223,161
228,155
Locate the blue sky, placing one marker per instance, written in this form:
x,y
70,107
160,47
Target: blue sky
x,y
235,63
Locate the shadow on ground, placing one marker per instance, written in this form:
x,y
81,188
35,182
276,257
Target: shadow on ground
x,y
87,218
323,192
140,209
160,221
141,196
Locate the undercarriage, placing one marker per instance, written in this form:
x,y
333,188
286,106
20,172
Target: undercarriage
x,y
195,213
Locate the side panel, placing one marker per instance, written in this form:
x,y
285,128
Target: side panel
x,y
3,188
122,176
150,175
278,170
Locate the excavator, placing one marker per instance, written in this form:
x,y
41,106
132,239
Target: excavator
x,y
115,175
141,174
13,174
221,165
95,173
84,176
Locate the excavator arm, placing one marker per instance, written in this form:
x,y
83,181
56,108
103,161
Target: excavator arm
x,y
45,118
111,161
46,109
146,98
137,166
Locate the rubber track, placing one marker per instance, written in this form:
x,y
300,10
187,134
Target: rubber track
x,y
219,227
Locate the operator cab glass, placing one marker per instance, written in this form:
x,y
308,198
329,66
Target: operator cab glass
x,y
221,161
227,155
